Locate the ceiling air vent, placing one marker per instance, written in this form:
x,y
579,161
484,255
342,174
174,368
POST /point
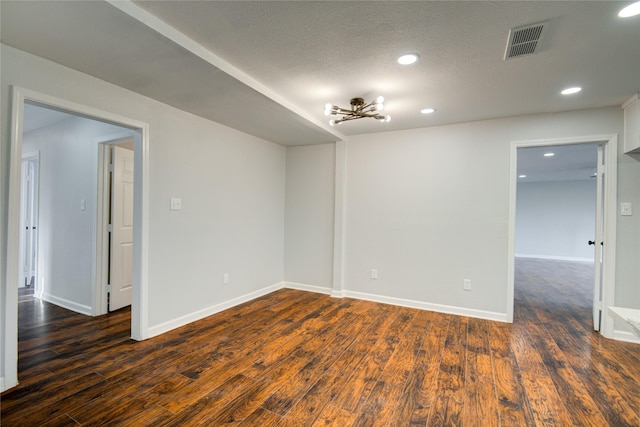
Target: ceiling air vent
x,y
525,40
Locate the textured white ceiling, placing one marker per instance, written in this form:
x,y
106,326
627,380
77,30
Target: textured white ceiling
x,y
268,68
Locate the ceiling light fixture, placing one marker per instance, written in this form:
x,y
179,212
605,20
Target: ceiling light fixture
x,y
359,110
428,110
408,59
522,176
549,154
571,90
632,10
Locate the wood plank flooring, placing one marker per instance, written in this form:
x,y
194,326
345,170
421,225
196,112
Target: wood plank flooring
x,y
295,358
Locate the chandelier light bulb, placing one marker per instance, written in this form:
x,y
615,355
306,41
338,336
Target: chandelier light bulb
x,y
359,109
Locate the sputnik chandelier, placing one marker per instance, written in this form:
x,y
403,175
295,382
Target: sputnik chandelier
x,y
359,110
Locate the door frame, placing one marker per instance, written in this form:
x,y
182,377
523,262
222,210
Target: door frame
x,y
139,306
610,195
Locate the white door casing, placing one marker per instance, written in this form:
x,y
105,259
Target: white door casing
x,y
121,262
598,242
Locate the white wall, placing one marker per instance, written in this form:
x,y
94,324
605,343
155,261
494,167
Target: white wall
x,y
429,207
232,187
66,236
556,219
309,215
628,247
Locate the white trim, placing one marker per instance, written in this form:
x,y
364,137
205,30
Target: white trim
x,y
139,312
554,257
225,305
626,336
611,159
205,312
311,288
69,305
447,309
339,204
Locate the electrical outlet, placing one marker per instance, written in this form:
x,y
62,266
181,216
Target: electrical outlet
x,y
374,273
225,279
467,284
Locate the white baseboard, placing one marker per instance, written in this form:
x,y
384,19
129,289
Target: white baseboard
x,y
625,336
459,311
201,314
310,288
554,257
69,305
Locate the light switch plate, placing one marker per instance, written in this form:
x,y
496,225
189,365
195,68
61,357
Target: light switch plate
x,y
176,203
626,209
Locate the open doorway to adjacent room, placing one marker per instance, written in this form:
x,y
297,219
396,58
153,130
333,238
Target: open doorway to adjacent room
x,y
561,215
55,146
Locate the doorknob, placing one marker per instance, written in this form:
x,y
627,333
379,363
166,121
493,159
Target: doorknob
x,y
592,242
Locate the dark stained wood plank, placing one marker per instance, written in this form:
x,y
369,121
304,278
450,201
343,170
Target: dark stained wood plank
x,y
365,376
333,416
541,392
261,417
281,401
422,386
513,406
481,402
448,406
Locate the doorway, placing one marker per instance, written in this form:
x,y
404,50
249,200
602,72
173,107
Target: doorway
x,y
139,317
592,196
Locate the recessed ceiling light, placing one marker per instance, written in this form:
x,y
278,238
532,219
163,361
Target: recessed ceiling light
x,y
408,59
571,90
522,176
428,110
632,10
549,154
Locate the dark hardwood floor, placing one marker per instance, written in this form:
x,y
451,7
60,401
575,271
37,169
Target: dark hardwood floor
x,y
295,358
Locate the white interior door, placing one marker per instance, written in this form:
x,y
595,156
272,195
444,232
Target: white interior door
x,y
598,240
29,222
121,236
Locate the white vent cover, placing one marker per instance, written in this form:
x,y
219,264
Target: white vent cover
x,y
525,40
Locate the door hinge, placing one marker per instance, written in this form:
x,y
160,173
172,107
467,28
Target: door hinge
x,y
109,228
110,167
109,287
